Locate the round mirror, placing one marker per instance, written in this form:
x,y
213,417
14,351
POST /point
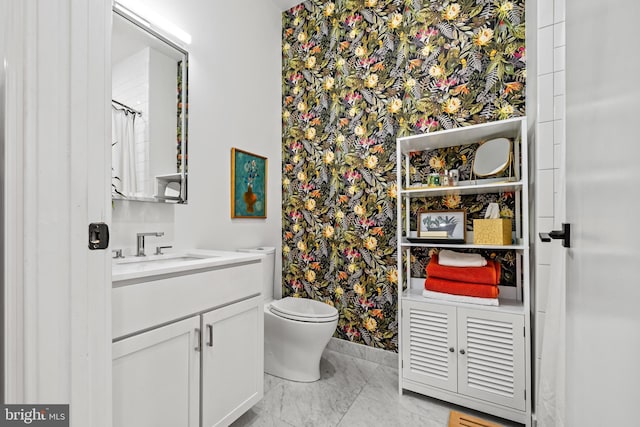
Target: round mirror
x,y
492,157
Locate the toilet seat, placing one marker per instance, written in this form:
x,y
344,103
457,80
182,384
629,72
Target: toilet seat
x,y
303,310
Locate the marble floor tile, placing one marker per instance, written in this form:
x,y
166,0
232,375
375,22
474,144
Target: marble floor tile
x,y
351,392
324,402
383,388
252,418
367,413
270,382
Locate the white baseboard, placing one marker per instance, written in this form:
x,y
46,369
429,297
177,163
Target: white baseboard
x,y
371,354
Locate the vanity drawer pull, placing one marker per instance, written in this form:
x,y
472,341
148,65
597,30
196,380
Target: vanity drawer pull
x,y
198,340
210,330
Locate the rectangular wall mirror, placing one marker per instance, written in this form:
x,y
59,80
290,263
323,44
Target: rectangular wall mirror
x,y
149,112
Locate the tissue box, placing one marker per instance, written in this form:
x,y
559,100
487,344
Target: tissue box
x,y
492,231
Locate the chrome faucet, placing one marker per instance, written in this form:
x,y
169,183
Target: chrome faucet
x,y
141,236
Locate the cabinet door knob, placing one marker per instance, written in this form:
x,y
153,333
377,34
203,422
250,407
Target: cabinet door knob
x,y
462,351
451,349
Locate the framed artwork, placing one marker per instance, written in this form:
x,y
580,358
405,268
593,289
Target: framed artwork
x,y
248,185
442,226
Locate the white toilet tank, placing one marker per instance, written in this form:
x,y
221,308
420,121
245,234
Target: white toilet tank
x,y
269,268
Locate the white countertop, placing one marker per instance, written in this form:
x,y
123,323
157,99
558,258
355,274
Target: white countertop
x,y
132,267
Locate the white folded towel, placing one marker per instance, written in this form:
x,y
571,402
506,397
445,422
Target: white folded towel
x,y
460,298
457,259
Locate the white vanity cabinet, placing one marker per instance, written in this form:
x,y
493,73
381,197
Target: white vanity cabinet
x,y
188,348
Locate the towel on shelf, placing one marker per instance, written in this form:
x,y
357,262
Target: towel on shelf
x,y
489,274
458,259
461,288
460,298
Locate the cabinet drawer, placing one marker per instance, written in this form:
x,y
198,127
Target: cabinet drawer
x,y
145,305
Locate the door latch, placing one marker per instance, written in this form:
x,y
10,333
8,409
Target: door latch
x,y
564,234
98,235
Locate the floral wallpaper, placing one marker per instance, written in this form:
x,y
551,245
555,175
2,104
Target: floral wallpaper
x,y
357,75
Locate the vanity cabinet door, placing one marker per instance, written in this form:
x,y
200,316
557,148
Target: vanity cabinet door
x,y
156,377
232,361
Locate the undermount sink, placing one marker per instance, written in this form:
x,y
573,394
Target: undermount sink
x,y
162,259
135,268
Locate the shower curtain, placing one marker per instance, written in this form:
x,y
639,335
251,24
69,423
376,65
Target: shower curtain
x,y
123,149
550,402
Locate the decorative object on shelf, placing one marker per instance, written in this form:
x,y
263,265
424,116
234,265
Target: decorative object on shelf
x,y
454,177
492,158
248,185
442,226
492,230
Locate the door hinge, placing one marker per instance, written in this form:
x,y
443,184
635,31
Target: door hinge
x,y
525,395
524,331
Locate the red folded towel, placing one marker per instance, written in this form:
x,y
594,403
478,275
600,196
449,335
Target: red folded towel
x,y
461,288
489,274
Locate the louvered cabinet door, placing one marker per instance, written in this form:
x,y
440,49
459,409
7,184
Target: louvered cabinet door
x,y
491,359
428,344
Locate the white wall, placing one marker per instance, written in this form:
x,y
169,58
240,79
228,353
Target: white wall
x,y
550,139
234,101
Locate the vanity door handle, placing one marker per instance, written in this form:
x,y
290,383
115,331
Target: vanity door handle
x,y
198,340
210,331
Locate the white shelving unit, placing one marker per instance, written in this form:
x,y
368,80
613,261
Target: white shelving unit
x,y
471,355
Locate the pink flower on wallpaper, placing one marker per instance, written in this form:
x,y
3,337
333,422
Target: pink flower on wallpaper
x,y
367,62
366,223
295,9
352,20
307,117
424,34
366,142
352,176
295,146
307,46
426,124
352,97
306,187
295,78
295,216
351,254
365,303
307,258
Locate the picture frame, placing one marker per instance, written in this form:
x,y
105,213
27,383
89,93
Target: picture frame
x,y
248,184
442,226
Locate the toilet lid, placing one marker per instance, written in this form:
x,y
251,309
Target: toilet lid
x,y
303,309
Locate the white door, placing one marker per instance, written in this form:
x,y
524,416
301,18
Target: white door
x,y
55,181
603,201
156,377
232,361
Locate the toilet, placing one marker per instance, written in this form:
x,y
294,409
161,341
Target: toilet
x,y
296,330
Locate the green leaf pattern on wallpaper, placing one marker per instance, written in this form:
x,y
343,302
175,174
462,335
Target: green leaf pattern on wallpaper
x,y
356,75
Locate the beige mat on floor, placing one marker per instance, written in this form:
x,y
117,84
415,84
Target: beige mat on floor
x,y
458,419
